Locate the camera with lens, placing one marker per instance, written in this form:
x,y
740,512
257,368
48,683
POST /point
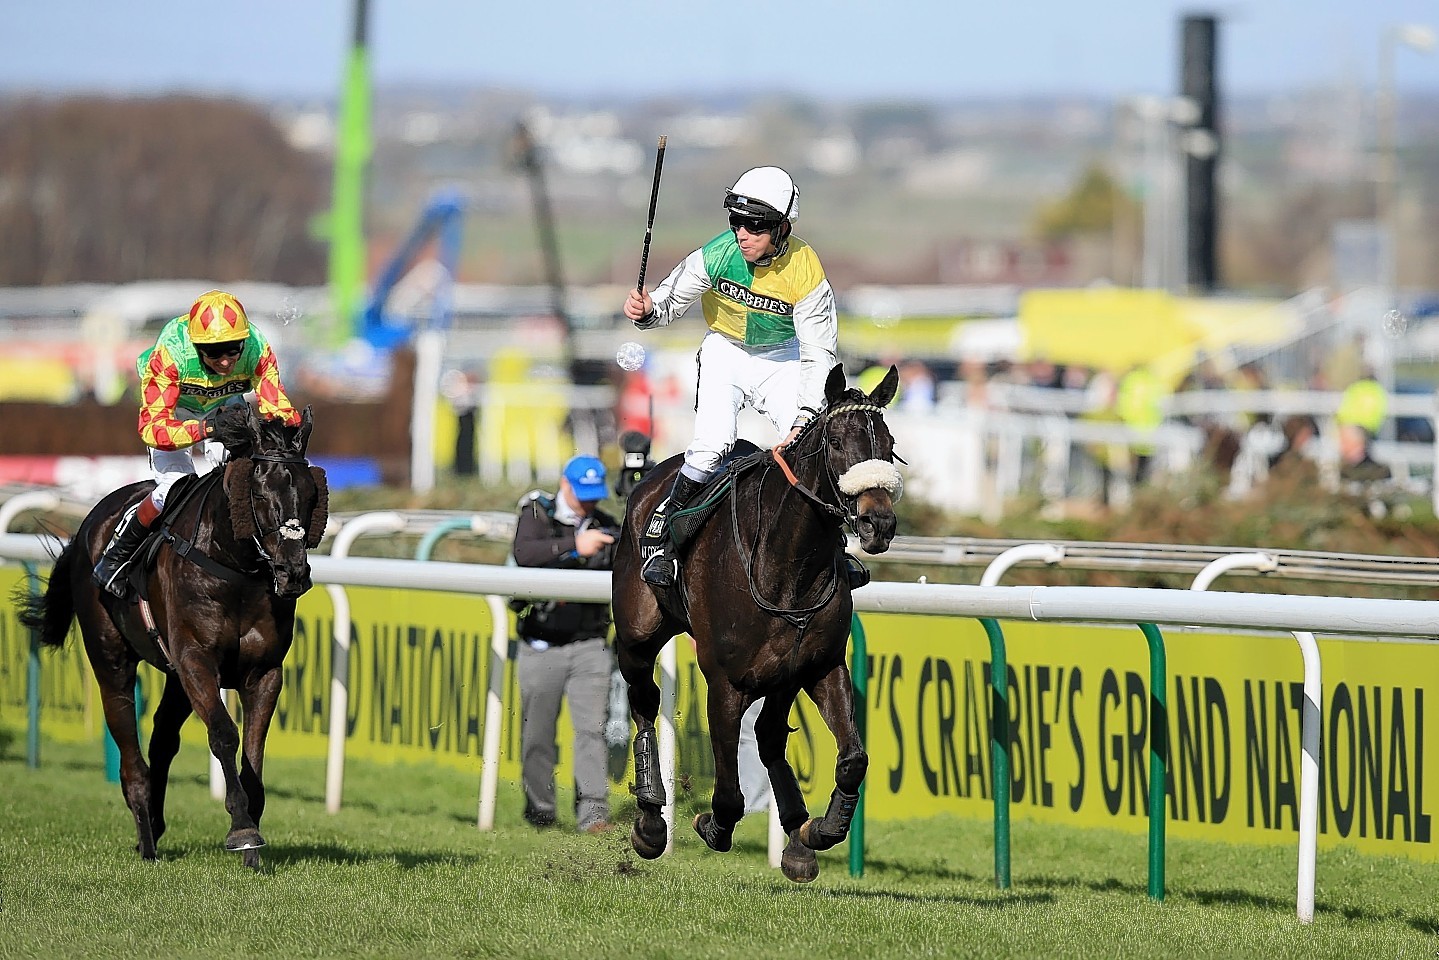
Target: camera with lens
x,y
636,462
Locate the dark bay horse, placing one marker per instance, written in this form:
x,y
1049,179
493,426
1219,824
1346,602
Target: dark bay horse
x,y
763,592
223,613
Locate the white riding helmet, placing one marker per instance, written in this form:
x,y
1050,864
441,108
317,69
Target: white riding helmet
x,y
764,192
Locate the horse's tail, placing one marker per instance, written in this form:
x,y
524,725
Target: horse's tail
x,y
51,612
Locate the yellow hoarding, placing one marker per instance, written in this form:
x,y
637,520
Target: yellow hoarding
x,y
1079,704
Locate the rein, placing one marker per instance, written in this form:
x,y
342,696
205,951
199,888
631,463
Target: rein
x,y
188,550
800,617
844,513
289,529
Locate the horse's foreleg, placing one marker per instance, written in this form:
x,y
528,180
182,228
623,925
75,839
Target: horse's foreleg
x,y
170,716
202,683
771,730
834,697
258,698
637,664
117,698
726,706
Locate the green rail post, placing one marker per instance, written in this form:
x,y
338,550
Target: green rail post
x,y
1158,756
32,681
112,750
999,747
436,533
859,675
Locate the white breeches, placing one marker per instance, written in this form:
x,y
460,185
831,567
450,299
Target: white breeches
x,y
171,465
733,377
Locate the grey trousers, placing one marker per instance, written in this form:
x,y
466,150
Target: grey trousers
x,y
581,672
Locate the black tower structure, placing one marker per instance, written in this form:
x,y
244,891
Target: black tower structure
x,y
1201,153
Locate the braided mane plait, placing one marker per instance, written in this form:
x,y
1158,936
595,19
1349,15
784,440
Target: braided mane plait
x,y
239,475
321,514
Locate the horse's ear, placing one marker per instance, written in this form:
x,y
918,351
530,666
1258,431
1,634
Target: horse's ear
x,y
252,420
884,392
834,385
307,423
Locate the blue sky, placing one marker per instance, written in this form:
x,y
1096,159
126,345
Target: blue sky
x,y
843,49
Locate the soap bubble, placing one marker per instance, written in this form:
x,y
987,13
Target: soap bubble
x,y
288,312
1395,323
630,355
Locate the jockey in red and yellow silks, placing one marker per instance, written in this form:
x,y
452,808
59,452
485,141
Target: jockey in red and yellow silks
x,y
202,361
177,388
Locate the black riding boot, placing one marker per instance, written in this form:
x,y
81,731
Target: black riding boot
x,y
129,534
662,567
855,572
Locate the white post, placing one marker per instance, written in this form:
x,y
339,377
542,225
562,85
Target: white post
x,y
494,710
1045,552
1309,730
1310,727
383,522
669,670
30,500
429,347
217,775
1263,562
777,839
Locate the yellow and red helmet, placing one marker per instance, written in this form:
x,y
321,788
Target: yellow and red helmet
x,y
217,317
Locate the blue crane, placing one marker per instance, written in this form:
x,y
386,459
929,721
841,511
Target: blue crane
x,y
442,220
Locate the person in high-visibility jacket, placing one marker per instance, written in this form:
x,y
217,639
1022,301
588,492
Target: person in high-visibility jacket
x,y
1364,403
1139,402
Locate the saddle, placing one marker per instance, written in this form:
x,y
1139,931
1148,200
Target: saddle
x,y
743,457
146,558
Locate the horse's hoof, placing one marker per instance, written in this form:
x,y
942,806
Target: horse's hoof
x,y
714,838
811,836
798,862
239,840
251,858
643,847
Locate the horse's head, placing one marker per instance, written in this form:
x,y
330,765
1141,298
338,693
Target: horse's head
x,y
859,456
278,500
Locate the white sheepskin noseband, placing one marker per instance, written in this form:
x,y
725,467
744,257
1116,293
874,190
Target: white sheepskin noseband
x,y
868,474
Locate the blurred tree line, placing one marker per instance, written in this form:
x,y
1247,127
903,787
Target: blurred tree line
x,y
115,190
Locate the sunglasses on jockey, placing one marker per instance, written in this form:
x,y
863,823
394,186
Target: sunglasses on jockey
x,y
753,224
228,350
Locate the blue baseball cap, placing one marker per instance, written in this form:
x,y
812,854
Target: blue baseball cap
x,y
587,477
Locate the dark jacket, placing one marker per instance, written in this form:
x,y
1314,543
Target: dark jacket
x,y
542,541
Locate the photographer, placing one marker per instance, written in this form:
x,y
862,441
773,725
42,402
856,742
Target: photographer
x,y
563,651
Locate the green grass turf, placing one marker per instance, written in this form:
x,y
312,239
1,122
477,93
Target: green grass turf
x,y
402,871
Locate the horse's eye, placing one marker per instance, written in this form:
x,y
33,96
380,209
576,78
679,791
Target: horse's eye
x,y
834,442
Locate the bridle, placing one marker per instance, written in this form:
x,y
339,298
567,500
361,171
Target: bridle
x,y
845,508
290,529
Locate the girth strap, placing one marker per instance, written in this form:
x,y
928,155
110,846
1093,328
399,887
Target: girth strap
x,y
186,549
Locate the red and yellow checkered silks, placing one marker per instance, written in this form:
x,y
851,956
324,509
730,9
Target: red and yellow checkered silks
x,y
177,389
217,317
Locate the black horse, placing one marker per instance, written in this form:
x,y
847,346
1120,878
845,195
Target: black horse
x,y
219,611
764,594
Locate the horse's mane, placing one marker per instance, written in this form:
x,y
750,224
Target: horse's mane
x,y
233,430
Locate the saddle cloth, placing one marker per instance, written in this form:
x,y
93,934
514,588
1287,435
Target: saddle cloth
x,y
683,525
